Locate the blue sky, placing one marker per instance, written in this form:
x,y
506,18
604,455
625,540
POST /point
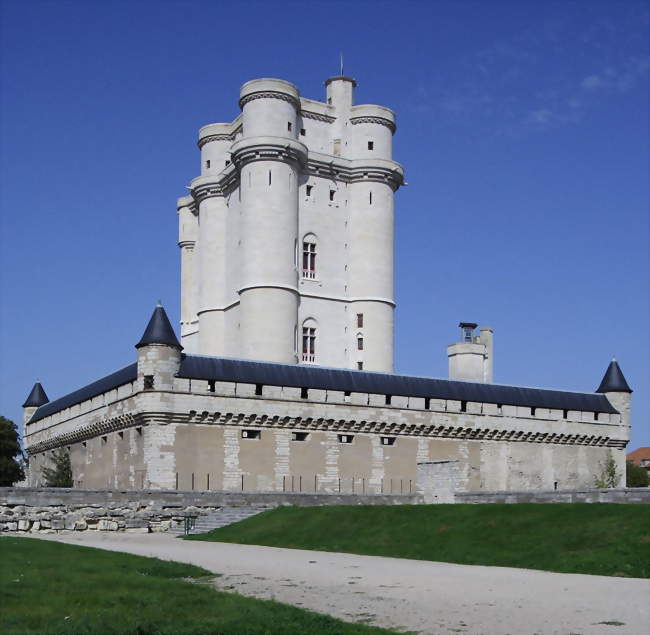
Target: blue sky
x,y
522,126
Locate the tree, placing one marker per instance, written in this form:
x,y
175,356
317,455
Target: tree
x,y
60,475
609,476
636,476
11,455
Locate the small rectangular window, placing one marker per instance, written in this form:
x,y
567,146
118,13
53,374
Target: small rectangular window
x,y
289,126
104,440
595,416
565,414
309,188
258,389
463,406
269,177
207,163
299,436
304,393
500,408
211,385
359,365
359,343
370,198
251,434
371,145
389,398
302,132
345,438
388,440
360,320
119,434
148,382
533,410
332,195
138,431
427,403
227,162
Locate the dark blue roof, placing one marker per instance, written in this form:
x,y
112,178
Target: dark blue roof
x,y
118,378
36,397
159,331
250,372
614,380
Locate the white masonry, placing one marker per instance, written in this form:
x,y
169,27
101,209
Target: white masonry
x,y
287,237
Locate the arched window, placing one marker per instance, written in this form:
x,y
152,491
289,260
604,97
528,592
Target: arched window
x,y
309,256
309,333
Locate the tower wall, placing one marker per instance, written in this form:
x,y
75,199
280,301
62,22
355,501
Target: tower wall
x,y
187,237
370,271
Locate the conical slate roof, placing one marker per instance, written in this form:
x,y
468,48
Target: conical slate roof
x,y
159,331
37,397
614,380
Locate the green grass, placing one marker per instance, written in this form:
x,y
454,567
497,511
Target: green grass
x,y
600,539
48,587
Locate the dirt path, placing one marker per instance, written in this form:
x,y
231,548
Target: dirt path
x,y
412,595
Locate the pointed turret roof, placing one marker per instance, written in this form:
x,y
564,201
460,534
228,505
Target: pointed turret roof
x,y
36,397
614,380
159,331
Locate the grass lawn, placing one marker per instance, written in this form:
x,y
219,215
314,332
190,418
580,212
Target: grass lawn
x,y
48,587
595,538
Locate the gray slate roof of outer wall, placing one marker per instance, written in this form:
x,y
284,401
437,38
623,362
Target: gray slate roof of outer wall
x,y
118,378
250,372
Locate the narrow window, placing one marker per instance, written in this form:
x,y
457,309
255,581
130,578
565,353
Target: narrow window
x,y
359,365
463,406
227,162
258,390
289,126
299,436
533,410
104,440
269,177
309,260
555,485
138,431
595,416
304,393
211,385
360,320
251,434
302,132
427,403
148,382
500,408
347,393
360,343
565,414
389,398
370,198
207,163
308,344
309,189
345,438
332,195
371,145
329,101
388,440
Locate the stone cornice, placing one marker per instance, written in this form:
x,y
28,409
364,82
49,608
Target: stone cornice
x,y
270,94
376,120
316,116
268,149
219,137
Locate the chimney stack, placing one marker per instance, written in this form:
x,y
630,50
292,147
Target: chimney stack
x,y
471,359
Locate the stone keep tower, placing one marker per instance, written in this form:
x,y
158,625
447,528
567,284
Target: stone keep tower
x,y
287,236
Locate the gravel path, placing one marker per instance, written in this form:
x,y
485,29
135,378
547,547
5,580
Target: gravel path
x,y
411,595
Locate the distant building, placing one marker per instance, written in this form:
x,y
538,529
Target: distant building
x,y
640,457
283,376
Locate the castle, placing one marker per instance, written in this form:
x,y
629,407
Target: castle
x,y
283,376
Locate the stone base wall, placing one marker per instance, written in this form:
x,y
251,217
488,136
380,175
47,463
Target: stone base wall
x,y
623,495
56,509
